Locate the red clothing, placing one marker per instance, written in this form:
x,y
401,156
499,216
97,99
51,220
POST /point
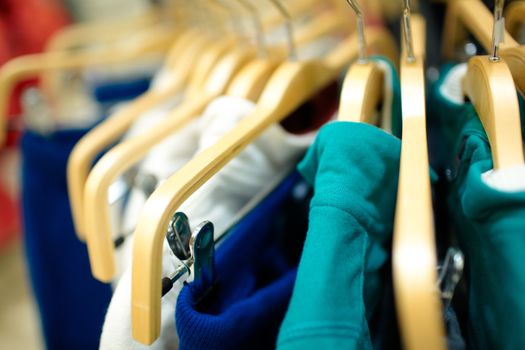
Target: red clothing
x,y
25,27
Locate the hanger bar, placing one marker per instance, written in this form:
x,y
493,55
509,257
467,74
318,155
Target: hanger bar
x,y
303,80
477,18
414,250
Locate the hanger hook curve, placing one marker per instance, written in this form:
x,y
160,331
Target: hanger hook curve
x,y
360,30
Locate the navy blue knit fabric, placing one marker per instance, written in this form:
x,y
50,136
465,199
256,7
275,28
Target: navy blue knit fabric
x,y
115,91
71,303
255,275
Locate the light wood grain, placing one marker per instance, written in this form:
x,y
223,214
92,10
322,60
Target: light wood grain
x,y
414,249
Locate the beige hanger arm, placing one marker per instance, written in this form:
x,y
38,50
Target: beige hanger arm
x,y
491,90
476,17
206,63
292,84
414,250
121,157
27,66
179,62
515,17
250,82
361,94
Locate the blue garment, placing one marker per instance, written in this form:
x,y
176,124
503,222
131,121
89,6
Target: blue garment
x,y
72,304
256,267
116,91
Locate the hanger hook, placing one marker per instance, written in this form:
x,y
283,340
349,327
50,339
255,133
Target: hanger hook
x,y
407,31
498,30
360,30
261,44
292,53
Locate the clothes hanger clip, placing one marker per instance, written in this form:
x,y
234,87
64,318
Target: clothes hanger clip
x,y
195,250
449,274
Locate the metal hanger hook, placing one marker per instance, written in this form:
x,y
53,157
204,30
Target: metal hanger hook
x,y
407,31
498,29
292,53
360,30
257,24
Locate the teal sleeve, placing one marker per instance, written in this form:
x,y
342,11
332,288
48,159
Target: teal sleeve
x,y
354,169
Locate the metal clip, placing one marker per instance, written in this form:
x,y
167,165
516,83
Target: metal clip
x,y
197,250
119,190
449,274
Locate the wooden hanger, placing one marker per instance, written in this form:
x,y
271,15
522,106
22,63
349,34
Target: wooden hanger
x,y
106,133
414,249
247,84
363,84
126,154
29,65
476,17
515,17
490,88
180,63
291,85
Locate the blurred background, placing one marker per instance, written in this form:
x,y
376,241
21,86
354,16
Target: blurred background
x,y
25,28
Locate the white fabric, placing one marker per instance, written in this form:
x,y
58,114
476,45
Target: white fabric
x,y
506,180
452,87
219,201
